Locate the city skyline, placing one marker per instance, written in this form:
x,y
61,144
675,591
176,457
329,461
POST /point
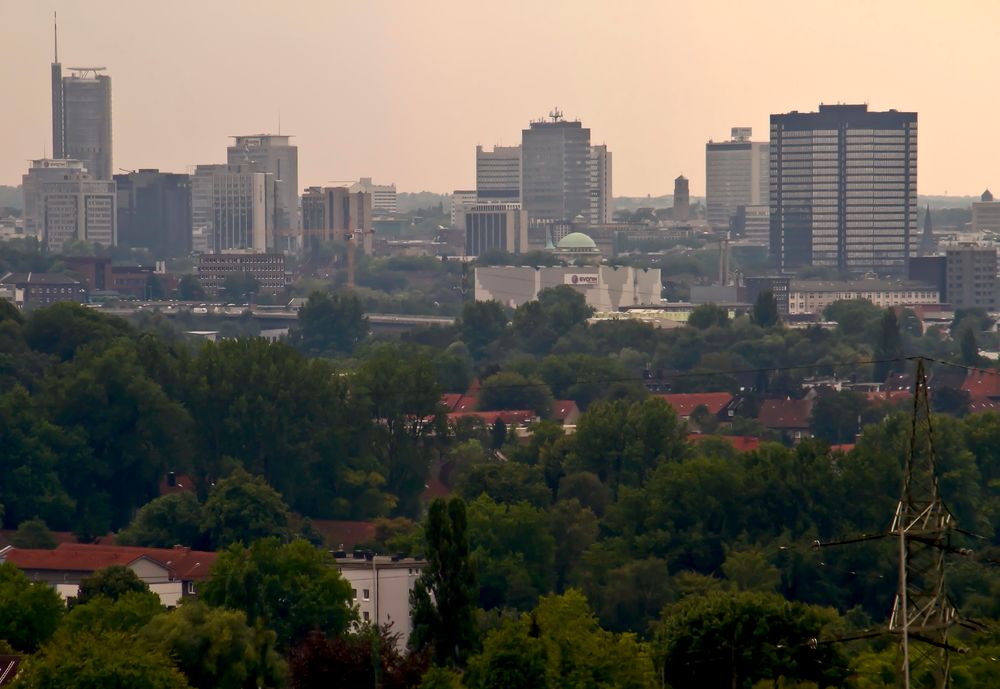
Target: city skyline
x,y
180,92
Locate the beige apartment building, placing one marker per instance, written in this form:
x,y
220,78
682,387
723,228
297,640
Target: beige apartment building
x,y
813,296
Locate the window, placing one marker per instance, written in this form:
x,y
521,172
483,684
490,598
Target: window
x,y
354,594
366,594
366,616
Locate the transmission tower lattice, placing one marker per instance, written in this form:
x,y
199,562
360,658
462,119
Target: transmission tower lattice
x,y
923,526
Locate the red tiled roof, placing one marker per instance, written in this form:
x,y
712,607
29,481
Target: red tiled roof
x,y
842,447
982,384
344,533
563,409
887,395
434,488
508,416
183,563
182,484
980,405
685,403
741,443
450,400
785,414
466,403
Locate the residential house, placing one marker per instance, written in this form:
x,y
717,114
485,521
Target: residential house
x,y
171,573
982,384
565,412
381,587
344,534
511,417
788,417
685,403
172,483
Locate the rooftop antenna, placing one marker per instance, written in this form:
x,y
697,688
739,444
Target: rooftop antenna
x,y
279,123
55,33
556,114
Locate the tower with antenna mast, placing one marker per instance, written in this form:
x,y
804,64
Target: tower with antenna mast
x,y
58,122
81,114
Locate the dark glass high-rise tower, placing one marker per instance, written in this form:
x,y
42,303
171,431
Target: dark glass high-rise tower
x,y
555,169
81,117
844,189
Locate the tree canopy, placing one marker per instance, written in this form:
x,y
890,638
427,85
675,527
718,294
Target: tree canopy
x,y
289,587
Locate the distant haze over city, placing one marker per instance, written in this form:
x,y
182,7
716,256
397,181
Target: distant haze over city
x,y
403,92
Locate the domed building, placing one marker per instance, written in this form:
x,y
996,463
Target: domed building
x,y
577,246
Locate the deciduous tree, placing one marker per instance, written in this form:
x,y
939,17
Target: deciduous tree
x,y
330,324
443,601
111,582
29,612
100,661
215,648
510,390
738,639
765,310
242,509
291,588
165,522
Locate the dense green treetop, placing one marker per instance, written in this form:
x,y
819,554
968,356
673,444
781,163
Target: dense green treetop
x,y
215,648
290,588
330,324
100,661
738,639
242,509
29,612
112,583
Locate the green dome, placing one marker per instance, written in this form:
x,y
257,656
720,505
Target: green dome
x,y
577,241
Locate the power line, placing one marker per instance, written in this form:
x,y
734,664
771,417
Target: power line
x,y
702,374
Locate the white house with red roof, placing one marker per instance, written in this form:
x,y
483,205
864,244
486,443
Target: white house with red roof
x,y
171,573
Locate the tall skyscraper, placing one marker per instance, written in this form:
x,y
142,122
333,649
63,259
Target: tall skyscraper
x,y
81,116
333,213
844,189
498,174
599,183
232,204
555,169
736,174
203,206
64,203
154,212
275,155
682,199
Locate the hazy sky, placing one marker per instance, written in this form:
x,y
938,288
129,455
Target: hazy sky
x,y
402,91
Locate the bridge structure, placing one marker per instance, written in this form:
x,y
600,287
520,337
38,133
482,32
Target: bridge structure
x,y
267,317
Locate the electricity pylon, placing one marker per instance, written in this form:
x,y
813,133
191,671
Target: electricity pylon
x,y
923,526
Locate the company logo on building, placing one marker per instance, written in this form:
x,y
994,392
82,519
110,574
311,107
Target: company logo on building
x,y
581,280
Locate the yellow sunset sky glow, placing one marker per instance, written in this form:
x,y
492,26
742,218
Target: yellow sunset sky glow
x,y
402,91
